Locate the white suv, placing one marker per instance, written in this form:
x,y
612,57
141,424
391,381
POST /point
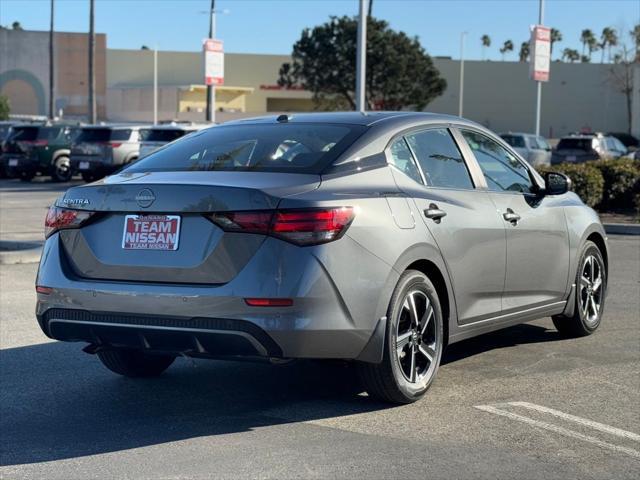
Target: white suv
x,y
534,149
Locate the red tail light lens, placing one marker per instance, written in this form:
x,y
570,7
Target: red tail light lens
x,y
302,227
114,144
268,302
62,218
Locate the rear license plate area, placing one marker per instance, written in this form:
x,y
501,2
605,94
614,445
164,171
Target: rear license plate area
x,y
83,166
151,232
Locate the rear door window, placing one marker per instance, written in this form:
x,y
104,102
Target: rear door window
x,y
291,147
439,158
502,170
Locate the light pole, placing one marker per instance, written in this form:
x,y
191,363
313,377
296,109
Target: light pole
x,y
361,58
539,83
92,76
461,96
211,92
155,85
52,100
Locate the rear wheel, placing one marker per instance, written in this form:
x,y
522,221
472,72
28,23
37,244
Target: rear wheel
x,y
591,287
134,363
61,169
413,343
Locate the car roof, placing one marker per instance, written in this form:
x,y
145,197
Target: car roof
x,y
114,126
352,118
523,134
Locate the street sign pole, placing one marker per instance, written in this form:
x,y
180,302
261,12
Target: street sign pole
x,y
539,83
361,58
461,95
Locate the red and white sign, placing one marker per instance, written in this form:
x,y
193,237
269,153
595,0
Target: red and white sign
x,y
151,232
213,61
540,53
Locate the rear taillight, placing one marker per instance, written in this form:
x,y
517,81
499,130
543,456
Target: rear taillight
x,y
62,218
114,144
302,227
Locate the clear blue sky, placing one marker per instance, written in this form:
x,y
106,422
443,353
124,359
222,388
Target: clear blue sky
x,y
272,26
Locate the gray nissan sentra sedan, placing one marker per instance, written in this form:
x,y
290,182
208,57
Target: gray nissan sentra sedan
x,y
377,238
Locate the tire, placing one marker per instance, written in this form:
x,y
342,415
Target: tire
x,y
591,289
134,363
62,169
392,379
26,176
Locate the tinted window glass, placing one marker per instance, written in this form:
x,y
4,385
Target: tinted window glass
x,y
163,135
502,170
514,140
24,134
575,144
403,160
48,133
303,148
440,159
103,135
120,134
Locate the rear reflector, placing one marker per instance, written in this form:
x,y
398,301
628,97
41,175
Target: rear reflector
x,y
44,290
268,302
62,218
302,227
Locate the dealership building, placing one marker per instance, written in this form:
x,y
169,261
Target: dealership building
x,y
499,95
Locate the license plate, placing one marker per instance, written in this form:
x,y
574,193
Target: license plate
x,y
13,162
151,232
83,165
571,158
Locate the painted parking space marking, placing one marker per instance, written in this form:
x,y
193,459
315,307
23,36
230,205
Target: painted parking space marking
x,y
562,430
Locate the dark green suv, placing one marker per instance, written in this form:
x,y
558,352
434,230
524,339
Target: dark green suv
x,y
32,150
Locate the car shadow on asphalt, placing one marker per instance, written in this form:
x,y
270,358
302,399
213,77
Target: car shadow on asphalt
x,y
58,403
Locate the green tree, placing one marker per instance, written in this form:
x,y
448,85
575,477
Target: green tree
x,y
524,51
400,74
4,107
506,47
570,55
609,39
556,36
486,43
586,38
16,25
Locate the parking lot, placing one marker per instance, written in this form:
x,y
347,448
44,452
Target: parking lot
x,y
518,403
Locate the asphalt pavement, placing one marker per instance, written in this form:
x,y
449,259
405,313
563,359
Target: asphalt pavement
x,y
519,403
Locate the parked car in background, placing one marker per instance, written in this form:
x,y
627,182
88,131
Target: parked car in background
x,y
533,148
627,139
102,149
160,135
5,128
585,147
40,150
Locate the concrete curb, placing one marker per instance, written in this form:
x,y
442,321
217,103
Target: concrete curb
x,y
622,228
12,252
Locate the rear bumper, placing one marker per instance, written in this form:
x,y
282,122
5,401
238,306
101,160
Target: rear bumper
x,y
333,315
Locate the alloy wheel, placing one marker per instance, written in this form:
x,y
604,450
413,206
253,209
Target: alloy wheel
x,y
591,288
416,337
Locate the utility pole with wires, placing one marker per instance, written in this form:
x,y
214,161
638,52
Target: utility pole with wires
x,y
92,74
52,99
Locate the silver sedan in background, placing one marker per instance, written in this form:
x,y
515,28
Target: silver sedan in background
x,y
377,238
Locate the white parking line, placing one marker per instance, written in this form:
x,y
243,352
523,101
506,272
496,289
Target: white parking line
x,y
560,430
582,421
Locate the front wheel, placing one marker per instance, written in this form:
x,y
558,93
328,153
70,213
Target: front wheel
x,y
413,343
591,288
134,363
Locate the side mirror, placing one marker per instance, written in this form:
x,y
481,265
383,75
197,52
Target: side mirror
x,y
556,183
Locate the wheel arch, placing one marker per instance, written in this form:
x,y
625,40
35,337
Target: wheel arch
x,y
60,153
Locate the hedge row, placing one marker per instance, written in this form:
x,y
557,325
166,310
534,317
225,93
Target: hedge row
x,y
606,185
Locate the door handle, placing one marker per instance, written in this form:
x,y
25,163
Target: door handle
x,y
511,217
434,213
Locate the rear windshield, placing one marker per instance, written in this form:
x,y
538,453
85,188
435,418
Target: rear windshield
x,y
514,140
575,144
4,131
103,135
24,134
301,148
163,135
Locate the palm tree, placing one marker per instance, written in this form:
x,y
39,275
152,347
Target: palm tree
x,y
585,38
571,55
609,39
486,42
506,47
524,51
556,36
